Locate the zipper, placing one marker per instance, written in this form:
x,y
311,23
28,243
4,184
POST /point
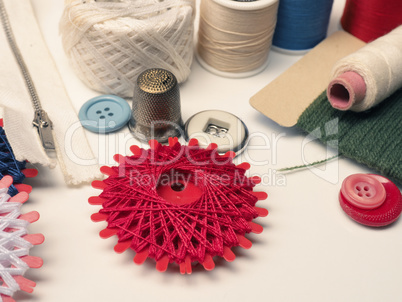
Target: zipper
x,y
41,120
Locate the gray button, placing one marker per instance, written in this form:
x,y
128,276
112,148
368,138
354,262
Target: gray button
x,y
219,127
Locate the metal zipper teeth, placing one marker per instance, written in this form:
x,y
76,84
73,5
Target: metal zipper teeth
x,y
41,120
11,40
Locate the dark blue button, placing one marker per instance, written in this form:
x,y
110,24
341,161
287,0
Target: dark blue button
x,y
104,113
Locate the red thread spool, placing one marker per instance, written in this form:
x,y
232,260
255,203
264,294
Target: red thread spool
x,y
371,19
178,204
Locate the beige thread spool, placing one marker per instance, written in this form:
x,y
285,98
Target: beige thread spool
x,y
368,76
234,38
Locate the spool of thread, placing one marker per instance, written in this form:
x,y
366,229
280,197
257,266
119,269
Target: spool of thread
x,y
301,25
109,43
368,76
178,204
16,243
371,19
234,38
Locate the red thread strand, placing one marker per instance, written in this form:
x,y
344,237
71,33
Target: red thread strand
x,y
371,19
169,231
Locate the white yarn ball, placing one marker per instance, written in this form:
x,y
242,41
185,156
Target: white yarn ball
x,y
109,43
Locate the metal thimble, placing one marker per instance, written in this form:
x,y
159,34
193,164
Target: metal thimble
x,y
156,110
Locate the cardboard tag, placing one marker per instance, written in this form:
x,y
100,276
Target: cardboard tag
x,y
285,98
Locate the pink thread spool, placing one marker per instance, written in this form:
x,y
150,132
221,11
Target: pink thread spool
x,y
347,90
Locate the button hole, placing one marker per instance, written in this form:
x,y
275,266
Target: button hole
x,y
102,117
358,188
178,187
366,188
98,112
110,114
107,109
368,194
360,194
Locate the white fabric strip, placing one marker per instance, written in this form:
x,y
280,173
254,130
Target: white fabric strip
x,y
74,155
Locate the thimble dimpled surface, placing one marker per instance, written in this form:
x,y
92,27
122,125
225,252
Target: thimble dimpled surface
x,y
156,112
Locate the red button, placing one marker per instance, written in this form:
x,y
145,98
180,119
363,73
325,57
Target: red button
x,y
363,191
370,199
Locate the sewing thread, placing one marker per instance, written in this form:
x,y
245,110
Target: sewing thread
x,y
179,204
234,38
378,63
15,243
110,43
371,19
8,164
11,241
301,25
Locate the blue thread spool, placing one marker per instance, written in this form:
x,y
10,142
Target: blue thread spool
x,y
301,25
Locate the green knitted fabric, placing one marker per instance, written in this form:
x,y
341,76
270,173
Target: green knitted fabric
x,y
373,137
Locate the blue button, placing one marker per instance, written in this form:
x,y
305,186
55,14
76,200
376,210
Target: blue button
x,y
104,113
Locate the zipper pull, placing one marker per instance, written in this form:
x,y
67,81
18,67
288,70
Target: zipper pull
x,y
45,126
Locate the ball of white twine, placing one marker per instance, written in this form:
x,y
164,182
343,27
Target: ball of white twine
x,y
110,43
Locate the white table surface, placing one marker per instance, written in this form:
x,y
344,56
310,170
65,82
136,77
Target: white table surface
x,y
309,250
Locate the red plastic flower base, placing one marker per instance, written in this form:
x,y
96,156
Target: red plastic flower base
x,y
178,204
